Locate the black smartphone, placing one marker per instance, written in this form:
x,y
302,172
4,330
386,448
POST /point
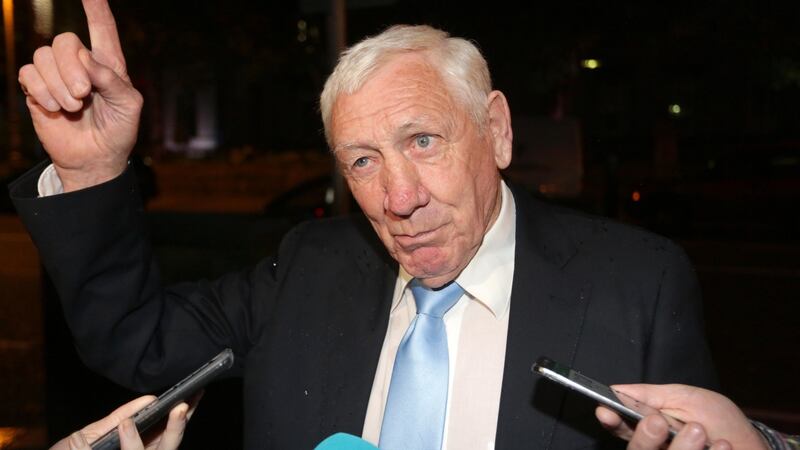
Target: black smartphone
x,y
160,407
630,408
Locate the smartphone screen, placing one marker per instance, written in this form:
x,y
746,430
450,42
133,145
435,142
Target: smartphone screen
x,y
628,407
160,407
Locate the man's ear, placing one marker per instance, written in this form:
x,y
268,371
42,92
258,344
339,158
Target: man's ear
x,y
500,128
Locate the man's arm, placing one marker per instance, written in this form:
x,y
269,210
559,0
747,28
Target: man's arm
x,y
94,245
92,237
677,351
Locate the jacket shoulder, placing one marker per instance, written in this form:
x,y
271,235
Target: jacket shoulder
x,y
338,238
584,235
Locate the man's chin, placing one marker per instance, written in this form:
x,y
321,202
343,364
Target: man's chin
x,y
428,263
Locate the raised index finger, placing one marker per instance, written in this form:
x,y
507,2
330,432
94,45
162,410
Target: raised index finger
x,y
104,37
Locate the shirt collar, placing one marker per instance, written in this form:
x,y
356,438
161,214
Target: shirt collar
x,y
489,275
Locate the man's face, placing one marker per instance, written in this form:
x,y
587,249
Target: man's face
x,y
418,166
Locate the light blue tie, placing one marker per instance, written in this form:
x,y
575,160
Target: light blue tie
x,y
415,407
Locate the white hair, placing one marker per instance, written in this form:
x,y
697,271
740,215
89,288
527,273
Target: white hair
x,y
458,61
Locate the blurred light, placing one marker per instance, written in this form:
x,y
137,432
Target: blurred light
x,y
43,17
636,196
784,161
8,19
548,188
319,212
590,64
674,109
8,435
8,8
330,196
712,163
302,30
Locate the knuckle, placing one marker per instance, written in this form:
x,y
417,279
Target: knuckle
x,y
40,93
64,39
106,76
137,98
42,54
118,66
25,72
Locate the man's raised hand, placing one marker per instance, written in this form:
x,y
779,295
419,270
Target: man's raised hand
x,y
84,108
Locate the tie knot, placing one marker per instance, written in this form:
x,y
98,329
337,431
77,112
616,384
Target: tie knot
x,y
435,302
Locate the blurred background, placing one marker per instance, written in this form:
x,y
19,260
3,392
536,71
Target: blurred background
x,y
678,117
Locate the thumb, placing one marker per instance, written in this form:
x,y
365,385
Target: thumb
x,y
105,81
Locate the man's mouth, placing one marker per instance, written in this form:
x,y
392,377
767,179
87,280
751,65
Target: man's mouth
x,y
414,241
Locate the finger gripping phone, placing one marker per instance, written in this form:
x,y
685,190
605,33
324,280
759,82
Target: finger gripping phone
x,y
628,407
160,407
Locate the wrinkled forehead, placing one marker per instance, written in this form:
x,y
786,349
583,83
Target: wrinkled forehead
x,y
405,89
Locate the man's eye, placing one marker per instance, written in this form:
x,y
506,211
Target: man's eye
x,y
361,162
423,141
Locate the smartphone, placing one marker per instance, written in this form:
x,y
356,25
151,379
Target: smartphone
x,y
160,407
628,407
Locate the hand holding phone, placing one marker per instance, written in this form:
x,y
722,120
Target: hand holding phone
x,y
629,408
716,419
155,411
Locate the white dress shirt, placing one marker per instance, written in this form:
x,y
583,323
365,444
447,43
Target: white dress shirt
x,y
477,328
49,182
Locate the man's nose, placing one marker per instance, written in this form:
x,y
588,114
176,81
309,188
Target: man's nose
x,y
404,191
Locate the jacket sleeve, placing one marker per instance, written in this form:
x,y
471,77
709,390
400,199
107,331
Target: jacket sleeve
x,y
677,350
126,326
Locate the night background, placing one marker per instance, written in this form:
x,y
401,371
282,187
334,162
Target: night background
x,y
678,117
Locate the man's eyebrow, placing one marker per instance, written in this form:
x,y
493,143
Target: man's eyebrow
x,y
353,146
414,124
427,123
422,122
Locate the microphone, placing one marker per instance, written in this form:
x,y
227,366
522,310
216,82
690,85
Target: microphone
x,y
344,441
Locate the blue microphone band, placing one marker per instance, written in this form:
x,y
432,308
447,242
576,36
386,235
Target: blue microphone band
x,y
344,441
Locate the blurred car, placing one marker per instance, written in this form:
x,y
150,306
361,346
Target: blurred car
x,y
750,193
312,199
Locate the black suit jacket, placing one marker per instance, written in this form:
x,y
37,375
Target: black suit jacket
x,y
307,324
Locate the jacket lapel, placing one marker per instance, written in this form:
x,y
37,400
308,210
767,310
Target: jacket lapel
x,y
547,310
357,323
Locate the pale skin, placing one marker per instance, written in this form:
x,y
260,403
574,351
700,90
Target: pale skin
x,y
709,417
84,108
423,172
169,439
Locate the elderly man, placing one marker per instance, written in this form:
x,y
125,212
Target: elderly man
x,y
421,338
